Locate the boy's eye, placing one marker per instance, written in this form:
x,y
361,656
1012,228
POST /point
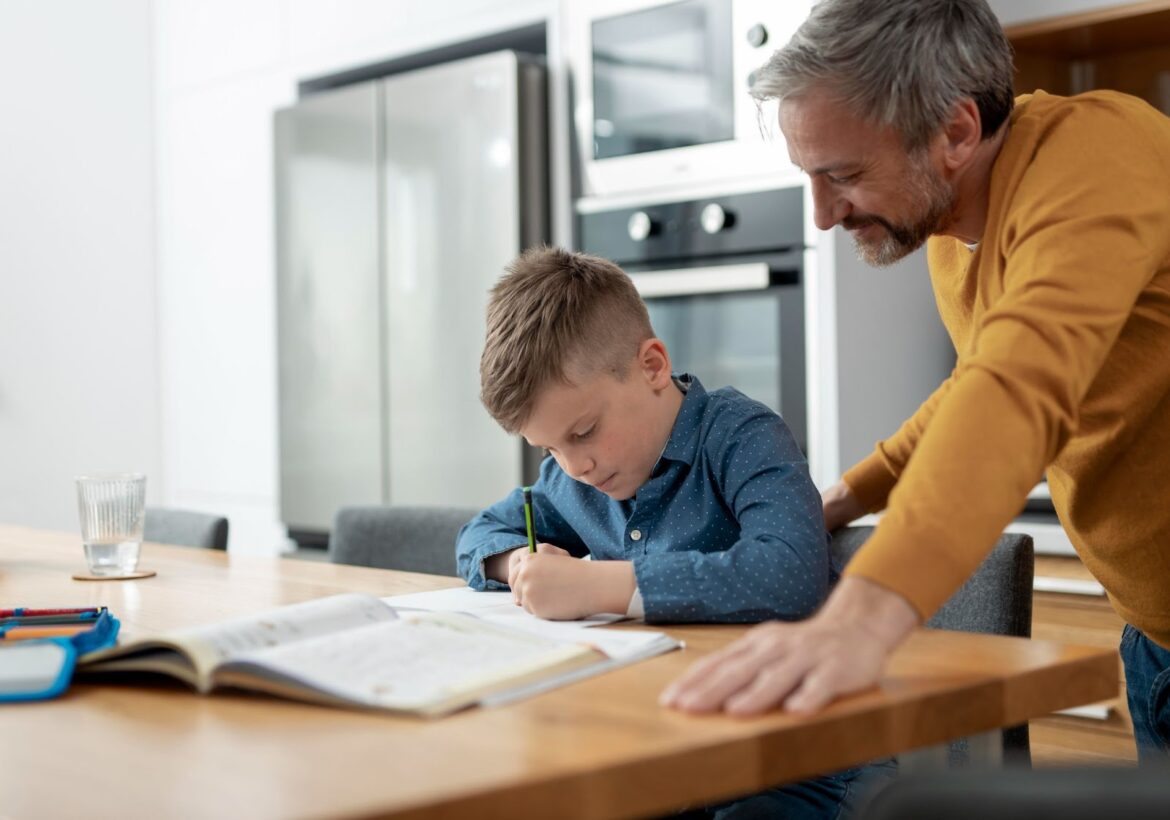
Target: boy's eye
x,y
584,435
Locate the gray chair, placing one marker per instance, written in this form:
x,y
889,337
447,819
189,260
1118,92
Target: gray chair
x,y
1081,793
996,600
415,539
185,528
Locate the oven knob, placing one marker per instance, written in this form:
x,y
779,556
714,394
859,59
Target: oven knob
x,y
641,226
757,35
714,219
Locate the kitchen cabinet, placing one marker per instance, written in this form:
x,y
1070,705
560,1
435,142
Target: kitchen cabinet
x,y
1069,605
1125,48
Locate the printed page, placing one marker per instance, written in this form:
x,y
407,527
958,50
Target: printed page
x,y
489,606
288,624
191,654
620,646
425,662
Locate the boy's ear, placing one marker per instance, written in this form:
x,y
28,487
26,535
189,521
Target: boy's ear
x,y
654,363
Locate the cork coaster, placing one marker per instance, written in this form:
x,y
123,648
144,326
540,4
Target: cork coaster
x,y
142,573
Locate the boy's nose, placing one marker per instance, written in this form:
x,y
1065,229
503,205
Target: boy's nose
x,y
578,466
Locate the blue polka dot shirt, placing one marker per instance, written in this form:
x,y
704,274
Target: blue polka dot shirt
x,y
728,528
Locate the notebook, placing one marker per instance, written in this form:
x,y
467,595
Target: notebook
x,y
355,650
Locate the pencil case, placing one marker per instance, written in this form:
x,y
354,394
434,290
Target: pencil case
x,y
42,668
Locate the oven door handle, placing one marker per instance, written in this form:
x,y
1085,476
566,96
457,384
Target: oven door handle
x,y
716,279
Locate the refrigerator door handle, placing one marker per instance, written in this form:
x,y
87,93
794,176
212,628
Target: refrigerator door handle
x,y
715,279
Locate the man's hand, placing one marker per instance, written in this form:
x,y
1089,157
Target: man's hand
x,y
801,666
550,583
841,506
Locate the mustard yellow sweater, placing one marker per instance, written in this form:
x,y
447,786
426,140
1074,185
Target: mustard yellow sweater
x,y
1061,319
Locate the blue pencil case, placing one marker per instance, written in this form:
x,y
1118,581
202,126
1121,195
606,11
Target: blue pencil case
x,y
41,668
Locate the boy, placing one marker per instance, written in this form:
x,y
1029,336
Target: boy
x,y
694,506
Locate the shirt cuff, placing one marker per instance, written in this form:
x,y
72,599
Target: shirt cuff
x,y
636,609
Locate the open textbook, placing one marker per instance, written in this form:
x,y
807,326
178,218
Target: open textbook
x,y
355,650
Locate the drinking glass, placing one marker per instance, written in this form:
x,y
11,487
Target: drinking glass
x,y
112,508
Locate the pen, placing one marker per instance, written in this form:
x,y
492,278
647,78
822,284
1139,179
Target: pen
x,y
21,611
528,519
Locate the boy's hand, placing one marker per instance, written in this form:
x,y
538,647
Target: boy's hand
x,y
550,583
841,506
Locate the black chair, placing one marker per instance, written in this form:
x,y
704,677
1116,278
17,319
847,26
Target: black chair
x,y
415,539
1083,793
185,528
996,600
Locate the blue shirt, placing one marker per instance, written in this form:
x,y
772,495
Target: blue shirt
x,y
729,526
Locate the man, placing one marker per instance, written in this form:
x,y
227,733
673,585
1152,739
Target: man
x,y
1049,251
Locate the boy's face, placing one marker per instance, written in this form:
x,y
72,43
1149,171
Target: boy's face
x,y
609,433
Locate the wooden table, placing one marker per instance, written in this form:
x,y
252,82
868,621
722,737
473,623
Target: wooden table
x,y
598,748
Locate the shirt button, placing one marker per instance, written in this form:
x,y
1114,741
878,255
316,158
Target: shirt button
x,y
635,535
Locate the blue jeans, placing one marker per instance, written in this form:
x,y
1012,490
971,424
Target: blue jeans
x,y
1147,684
831,797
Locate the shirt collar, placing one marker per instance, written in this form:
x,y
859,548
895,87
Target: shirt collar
x,y
685,433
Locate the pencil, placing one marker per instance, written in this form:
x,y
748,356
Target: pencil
x,y
528,518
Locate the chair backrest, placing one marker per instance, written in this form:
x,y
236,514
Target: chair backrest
x,y
415,539
995,600
185,528
1081,793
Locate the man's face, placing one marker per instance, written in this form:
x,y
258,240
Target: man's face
x,y
863,179
603,432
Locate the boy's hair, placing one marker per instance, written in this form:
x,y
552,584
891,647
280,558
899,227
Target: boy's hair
x,y
556,316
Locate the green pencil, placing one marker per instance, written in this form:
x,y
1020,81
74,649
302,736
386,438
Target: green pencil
x,y
528,518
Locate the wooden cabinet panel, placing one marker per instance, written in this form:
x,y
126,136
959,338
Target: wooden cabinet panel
x,y
1091,621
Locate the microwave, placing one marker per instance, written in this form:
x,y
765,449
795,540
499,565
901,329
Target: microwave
x,y
661,91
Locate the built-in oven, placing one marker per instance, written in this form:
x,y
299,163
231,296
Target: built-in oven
x,y
661,90
723,278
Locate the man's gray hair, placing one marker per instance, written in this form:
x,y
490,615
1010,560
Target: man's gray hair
x,y
902,63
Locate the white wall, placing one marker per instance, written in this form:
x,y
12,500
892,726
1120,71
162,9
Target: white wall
x,y
115,354
78,354
224,67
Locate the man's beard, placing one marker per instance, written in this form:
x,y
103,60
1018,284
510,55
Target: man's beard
x,y
924,187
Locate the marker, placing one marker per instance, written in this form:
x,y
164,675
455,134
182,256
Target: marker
x,y
528,518
31,620
21,611
24,633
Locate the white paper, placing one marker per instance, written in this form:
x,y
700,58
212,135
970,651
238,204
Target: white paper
x,y
489,606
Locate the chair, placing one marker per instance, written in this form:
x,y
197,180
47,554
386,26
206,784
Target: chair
x,y
414,539
996,600
185,528
1082,793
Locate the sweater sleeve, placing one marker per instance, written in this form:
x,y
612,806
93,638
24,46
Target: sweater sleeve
x,y
1084,234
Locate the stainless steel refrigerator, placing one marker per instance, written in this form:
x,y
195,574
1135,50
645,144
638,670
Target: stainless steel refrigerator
x,y
398,204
